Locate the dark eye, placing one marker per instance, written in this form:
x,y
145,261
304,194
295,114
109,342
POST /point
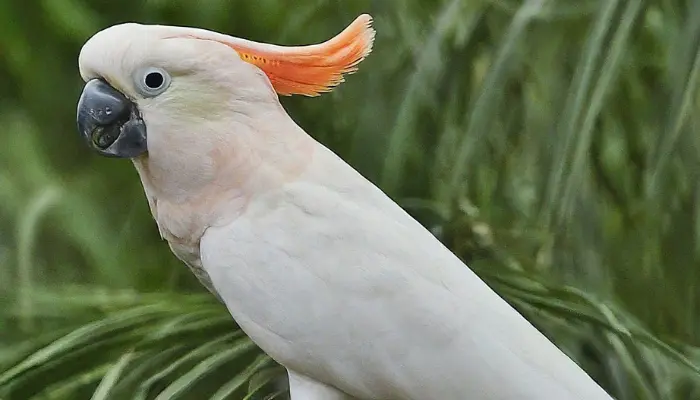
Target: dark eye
x,y
154,80
151,82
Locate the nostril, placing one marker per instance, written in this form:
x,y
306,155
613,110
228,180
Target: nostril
x,y
106,115
112,109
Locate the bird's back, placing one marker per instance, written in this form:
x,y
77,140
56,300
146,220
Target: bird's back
x,y
336,282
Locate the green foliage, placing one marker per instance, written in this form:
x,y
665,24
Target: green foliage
x,y
552,144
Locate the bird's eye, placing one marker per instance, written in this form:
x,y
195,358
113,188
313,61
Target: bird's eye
x,y
152,81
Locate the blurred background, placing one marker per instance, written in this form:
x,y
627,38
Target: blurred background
x,y
553,145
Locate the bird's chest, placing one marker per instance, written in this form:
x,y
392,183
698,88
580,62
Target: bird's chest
x,y
183,229
189,255
293,278
276,291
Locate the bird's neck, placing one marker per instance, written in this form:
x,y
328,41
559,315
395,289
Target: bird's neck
x,y
195,180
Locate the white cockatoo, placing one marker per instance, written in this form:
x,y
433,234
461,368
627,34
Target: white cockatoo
x,y
321,269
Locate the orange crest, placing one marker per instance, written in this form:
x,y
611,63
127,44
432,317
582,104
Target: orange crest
x,y
313,69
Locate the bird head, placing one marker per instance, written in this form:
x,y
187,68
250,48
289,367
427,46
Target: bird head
x,y
145,84
197,110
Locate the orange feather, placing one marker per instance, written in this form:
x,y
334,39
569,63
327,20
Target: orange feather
x,y
313,69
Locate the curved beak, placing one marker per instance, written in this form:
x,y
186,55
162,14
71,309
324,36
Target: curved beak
x,y
109,122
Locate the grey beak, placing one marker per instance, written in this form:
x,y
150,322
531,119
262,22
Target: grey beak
x,y
109,122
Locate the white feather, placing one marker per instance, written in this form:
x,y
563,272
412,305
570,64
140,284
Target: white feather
x,y
301,387
321,269
336,282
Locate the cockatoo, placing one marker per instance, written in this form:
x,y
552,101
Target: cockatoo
x,y
319,267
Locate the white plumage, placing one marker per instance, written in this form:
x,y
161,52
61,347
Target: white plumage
x,y
336,282
318,266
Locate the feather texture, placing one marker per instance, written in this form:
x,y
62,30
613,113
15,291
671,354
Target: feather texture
x,y
335,281
308,70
